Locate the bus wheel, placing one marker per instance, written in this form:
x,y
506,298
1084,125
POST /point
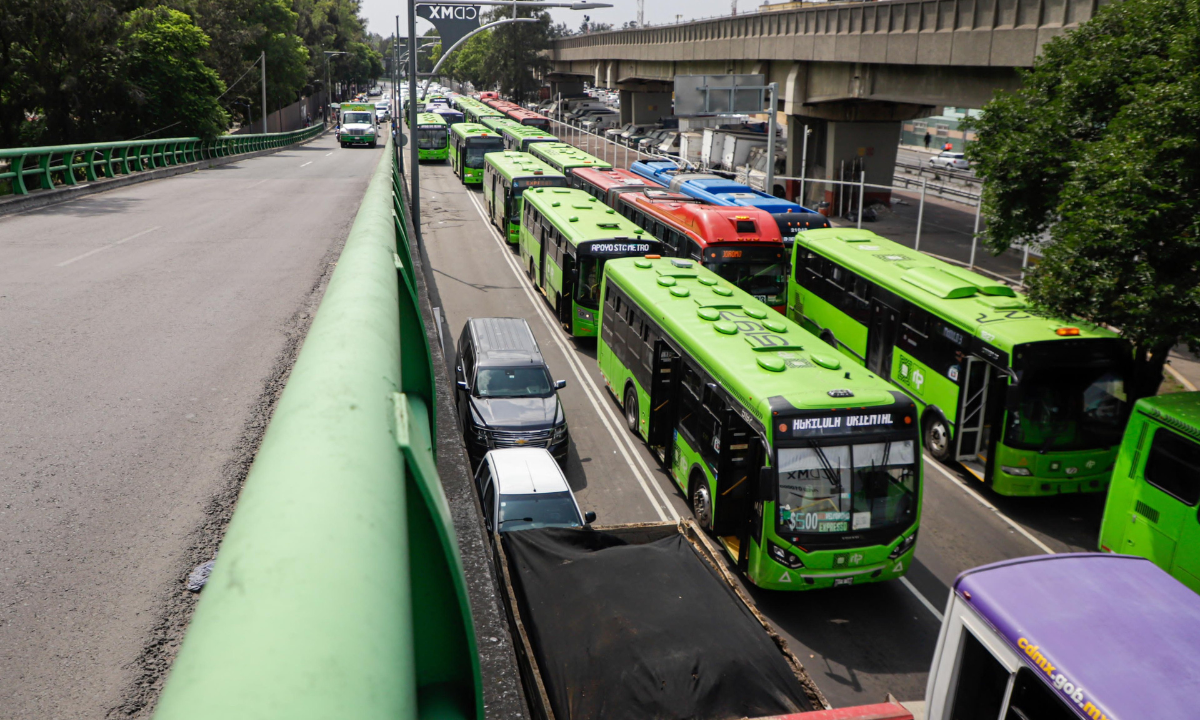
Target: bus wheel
x,y
937,438
828,338
701,503
631,410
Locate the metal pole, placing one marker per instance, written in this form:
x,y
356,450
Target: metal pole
x,y
414,158
862,180
841,190
263,59
975,232
920,214
398,115
803,163
771,127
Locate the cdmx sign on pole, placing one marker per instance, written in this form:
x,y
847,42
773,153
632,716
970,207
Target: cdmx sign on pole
x,y
452,21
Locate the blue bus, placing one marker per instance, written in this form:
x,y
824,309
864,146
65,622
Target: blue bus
x,y
716,190
449,114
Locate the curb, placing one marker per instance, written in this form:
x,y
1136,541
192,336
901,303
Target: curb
x,y
45,198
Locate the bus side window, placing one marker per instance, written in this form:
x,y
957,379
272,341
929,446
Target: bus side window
x,y
836,276
981,680
689,413
694,251
917,320
710,426
1173,465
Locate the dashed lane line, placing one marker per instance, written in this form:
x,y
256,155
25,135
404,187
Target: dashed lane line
x,y
90,253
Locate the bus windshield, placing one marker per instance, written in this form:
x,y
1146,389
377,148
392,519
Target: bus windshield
x,y
431,138
765,277
476,149
844,488
1067,408
587,286
512,382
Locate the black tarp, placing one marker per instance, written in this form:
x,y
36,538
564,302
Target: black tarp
x,y
625,625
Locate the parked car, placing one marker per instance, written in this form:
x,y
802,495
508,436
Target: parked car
x,y
504,392
580,119
614,133
650,143
524,488
633,130
600,122
950,160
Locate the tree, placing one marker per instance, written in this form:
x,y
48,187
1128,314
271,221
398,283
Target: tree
x,y
470,61
170,87
1100,150
516,54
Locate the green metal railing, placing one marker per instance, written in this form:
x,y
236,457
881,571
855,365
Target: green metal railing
x,y
338,590
73,164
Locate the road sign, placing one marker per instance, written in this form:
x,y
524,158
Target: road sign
x,y
452,21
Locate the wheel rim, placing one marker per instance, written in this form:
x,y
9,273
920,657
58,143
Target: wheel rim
x,y
939,439
631,414
702,505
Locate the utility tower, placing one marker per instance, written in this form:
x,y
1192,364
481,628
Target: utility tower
x,y
734,10
641,13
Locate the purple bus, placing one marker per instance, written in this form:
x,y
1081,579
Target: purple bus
x,y
1088,636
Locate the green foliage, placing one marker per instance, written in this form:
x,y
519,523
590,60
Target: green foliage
x,y
1101,151
509,56
170,87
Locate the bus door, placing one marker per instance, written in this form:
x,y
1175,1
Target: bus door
x,y
566,299
660,436
543,252
881,338
972,409
737,476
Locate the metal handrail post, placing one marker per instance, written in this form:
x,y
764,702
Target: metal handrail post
x,y
862,179
920,216
975,232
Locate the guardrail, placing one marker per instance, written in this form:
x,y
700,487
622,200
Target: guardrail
x,y
73,164
338,590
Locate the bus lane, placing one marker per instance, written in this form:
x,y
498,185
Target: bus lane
x,y
859,642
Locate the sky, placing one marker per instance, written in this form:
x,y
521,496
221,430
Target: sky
x,y
381,14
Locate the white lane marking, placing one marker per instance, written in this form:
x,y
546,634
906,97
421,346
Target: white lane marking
x,y
581,376
260,182
983,501
90,253
924,601
328,154
310,162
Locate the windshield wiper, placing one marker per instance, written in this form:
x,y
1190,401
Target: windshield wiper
x,y
834,482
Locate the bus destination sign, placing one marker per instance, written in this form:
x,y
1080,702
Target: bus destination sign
x,y
542,181
620,247
831,424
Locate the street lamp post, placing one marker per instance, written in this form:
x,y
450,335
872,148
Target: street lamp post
x,y
328,92
415,176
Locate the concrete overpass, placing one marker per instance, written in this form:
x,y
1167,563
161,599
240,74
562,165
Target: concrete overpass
x,y
850,72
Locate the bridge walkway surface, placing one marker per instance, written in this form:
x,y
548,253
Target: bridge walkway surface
x,y
857,643
145,333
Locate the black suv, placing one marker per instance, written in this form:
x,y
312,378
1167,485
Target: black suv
x,y
504,392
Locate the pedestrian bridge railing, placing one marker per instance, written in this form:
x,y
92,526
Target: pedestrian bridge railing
x,y
48,167
338,590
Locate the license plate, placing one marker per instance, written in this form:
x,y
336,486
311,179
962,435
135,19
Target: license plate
x,y
838,582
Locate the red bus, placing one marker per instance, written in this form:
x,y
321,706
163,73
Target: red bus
x,y
485,96
528,117
741,244
605,185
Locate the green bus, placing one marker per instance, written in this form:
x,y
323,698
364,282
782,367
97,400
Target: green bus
x,y
566,238
1030,405
477,112
519,138
433,138
506,175
469,143
808,473
497,123
565,157
1151,509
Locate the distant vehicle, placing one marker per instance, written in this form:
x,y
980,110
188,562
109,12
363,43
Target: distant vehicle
x,y
565,157
523,489
1151,506
383,111
357,125
506,176
433,138
598,123
469,144
503,390
950,161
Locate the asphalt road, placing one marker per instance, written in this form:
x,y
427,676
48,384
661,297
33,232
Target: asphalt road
x,y
858,643
144,335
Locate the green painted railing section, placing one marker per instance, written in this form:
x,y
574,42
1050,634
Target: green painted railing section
x,y
338,590
44,167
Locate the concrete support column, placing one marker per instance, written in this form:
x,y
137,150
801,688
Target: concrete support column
x,y
568,88
869,146
626,109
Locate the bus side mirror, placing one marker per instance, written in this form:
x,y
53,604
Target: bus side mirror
x,y
766,484
462,385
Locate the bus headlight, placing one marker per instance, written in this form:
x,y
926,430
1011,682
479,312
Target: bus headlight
x,y
1019,471
783,557
585,314
903,547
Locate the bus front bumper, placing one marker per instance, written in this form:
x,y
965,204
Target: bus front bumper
x,y
1023,473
